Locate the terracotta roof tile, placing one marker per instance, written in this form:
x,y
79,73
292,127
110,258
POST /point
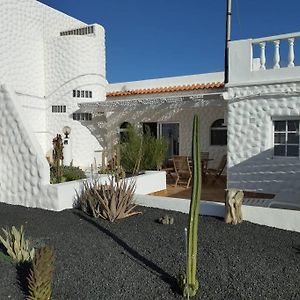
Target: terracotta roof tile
x,y
177,88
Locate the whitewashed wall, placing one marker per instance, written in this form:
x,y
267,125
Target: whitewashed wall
x,y
43,68
251,164
24,172
74,63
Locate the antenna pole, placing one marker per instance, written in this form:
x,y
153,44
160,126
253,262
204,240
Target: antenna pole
x,y
228,38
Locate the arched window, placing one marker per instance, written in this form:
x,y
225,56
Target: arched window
x,y
218,133
123,131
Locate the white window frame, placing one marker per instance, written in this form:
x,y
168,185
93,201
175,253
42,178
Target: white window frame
x,y
286,132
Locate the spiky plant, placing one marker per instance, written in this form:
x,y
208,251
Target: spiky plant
x,y
110,201
40,276
188,283
17,247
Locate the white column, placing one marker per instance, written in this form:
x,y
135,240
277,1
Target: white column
x,y
67,151
262,55
291,54
276,55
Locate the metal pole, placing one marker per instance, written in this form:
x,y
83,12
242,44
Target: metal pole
x,y
228,38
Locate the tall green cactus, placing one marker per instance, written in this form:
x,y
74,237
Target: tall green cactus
x,y
188,283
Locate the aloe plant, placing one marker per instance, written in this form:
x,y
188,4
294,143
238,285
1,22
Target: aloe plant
x,y
40,276
17,247
188,283
110,201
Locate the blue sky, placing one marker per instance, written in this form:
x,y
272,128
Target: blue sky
x,y
160,38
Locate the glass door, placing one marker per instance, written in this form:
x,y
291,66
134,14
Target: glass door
x,y
170,131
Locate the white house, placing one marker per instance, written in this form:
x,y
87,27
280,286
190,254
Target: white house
x,y
52,62
52,68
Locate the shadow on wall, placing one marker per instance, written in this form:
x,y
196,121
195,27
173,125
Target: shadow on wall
x,y
265,173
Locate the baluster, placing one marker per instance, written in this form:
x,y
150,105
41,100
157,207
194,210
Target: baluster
x,y
276,55
262,55
291,55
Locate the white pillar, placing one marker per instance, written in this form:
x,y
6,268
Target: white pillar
x,y
291,55
262,55
67,151
276,55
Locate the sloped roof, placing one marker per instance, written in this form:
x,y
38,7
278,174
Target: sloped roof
x,y
168,89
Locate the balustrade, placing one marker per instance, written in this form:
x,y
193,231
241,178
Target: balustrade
x,y
277,41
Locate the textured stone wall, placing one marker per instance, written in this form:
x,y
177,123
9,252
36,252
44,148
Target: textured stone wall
x,y
251,164
24,172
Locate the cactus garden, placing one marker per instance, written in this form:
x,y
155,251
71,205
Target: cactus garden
x,y
139,258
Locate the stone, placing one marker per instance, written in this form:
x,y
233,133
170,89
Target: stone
x,y
233,206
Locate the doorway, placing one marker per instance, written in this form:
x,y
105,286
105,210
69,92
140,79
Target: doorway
x,y
170,131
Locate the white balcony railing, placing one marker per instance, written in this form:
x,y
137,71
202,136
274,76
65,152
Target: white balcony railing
x,y
284,42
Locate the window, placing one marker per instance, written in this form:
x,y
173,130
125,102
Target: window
x,y
82,116
59,108
123,131
218,133
82,94
286,138
78,31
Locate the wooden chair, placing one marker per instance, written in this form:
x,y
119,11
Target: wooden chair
x,y
204,161
183,170
216,173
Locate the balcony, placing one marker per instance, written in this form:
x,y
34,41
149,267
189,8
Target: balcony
x,y
265,60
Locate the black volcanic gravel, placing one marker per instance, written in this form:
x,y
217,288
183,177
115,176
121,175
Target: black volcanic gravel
x,y
138,258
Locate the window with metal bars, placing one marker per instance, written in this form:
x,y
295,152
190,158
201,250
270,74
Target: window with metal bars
x,y
59,108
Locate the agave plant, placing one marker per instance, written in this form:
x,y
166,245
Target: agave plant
x,y
17,247
110,201
40,276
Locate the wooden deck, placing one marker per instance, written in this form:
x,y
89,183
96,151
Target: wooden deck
x,y
210,191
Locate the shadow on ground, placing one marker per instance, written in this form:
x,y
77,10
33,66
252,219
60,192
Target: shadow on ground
x,y
133,254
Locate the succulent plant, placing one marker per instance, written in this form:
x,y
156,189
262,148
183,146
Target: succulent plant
x,y
40,275
110,201
188,283
17,247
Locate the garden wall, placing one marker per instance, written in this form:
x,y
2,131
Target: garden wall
x,y
273,217
24,171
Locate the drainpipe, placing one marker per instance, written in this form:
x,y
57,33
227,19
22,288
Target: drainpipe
x,y
228,37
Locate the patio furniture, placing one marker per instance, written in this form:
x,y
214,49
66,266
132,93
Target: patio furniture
x,y
204,164
169,171
216,173
183,170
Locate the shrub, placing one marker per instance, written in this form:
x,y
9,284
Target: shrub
x,y
17,247
142,151
154,151
131,150
110,201
40,276
72,173
69,173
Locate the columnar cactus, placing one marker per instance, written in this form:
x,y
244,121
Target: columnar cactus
x,y
188,282
40,276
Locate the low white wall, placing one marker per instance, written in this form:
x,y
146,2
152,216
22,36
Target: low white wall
x,y
278,218
151,181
